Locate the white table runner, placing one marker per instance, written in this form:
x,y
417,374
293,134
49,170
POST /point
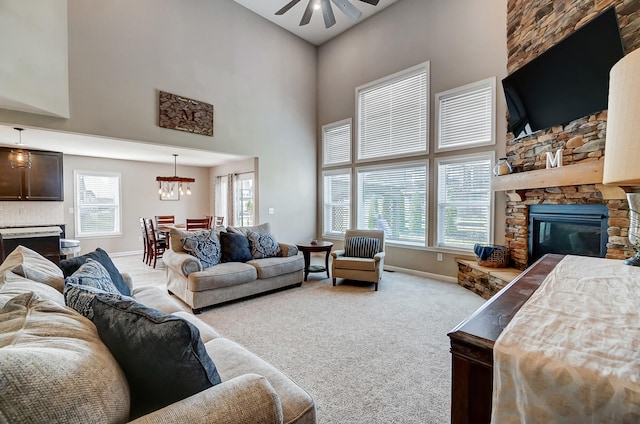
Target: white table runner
x,y
571,354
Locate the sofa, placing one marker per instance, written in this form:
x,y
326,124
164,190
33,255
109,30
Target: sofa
x,y
56,365
247,261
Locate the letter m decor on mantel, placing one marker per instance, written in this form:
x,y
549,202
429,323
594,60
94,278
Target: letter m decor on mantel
x,y
184,114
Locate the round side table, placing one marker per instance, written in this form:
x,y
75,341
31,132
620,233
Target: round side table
x,y
307,248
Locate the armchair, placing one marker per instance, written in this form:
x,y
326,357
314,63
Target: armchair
x,y
361,265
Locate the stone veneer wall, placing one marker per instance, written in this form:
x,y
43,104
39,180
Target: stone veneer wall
x,y
533,27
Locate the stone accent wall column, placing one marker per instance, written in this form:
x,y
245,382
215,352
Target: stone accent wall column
x,y
532,27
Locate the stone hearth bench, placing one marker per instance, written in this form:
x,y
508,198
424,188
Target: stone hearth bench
x,y
482,280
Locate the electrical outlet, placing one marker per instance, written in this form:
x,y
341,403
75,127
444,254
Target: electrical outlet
x,y
439,257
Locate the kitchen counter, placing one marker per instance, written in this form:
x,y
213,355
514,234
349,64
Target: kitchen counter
x,y
29,232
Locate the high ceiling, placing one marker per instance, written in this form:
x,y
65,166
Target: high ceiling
x,y
314,32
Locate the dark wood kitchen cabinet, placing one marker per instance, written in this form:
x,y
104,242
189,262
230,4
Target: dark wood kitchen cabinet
x,y
43,181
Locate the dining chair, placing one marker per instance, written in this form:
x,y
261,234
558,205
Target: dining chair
x,y
210,218
165,219
145,241
156,246
219,220
197,223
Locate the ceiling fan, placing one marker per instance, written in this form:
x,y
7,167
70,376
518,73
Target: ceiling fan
x,y
345,6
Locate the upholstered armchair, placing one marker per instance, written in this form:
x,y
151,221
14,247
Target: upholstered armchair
x,y
362,258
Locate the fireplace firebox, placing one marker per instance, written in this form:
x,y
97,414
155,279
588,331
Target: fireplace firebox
x,y
567,229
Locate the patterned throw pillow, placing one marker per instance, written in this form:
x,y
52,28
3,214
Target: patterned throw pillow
x,y
92,274
205,246
162,355
71,265
263,245
361,247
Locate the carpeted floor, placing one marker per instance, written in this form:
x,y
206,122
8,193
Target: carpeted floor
x,y
365,356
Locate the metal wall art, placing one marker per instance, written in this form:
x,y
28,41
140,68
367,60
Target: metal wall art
x,y
184,114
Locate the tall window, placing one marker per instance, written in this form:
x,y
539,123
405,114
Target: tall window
x,y
464,200
394,199
97,203
234,198
336,143
393,115
336,201
465,116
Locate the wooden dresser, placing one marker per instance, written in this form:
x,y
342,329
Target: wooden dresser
x,y
472,344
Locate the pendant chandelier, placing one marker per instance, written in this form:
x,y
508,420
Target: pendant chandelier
x,y
19,158
167,185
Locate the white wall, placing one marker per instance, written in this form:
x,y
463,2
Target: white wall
x,y
464,41
33,34
260,79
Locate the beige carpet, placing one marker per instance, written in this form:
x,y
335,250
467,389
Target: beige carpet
x,y
365,356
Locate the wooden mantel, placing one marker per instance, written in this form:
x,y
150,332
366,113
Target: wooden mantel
x,y
576,174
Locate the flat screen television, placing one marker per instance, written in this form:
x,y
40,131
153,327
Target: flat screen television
x,y
568,81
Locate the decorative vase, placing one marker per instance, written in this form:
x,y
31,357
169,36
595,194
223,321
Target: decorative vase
x,y
503,167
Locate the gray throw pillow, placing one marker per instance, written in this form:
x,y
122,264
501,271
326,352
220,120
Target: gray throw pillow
x,y
263,245
71,265
361,247
92,274
205,246
162,355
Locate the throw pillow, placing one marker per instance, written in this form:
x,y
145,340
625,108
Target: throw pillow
x,y
29,264
205,246
69,266
235,247
263,245
361,247
162,355
262,228
92,274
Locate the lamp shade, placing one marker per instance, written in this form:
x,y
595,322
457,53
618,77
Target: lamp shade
x,y
622,146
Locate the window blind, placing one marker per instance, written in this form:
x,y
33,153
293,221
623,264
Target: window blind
x,y
393,116
337,202
465,115
394,199
464,201
336,143
97,204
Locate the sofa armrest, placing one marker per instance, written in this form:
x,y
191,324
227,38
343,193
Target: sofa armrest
x,y
337,253
246,399
181,262
288,249
127,280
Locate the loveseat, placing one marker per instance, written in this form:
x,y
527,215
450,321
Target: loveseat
x,y
58,366
246,261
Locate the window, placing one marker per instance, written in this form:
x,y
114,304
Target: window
x,y
336,142
97,203
393,115
244,203
464,200
394,199
336,201
465,116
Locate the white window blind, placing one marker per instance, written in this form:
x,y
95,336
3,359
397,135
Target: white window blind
x,y
336,141
336,202
465,116
97,204
464,201
393,115
394,199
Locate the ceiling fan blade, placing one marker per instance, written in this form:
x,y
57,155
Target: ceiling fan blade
x,y
327,13
373,2
287,7
306,17
348,9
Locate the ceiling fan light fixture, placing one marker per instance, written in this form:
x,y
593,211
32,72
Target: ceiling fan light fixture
x,y
352,12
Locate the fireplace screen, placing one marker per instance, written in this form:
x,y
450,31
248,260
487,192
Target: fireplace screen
x,y
567,229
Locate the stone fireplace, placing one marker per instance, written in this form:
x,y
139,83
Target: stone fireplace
x,y
533,27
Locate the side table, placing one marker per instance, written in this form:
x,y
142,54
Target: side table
x,y
307,248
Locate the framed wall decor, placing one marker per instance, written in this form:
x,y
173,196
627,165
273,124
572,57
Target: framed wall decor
x,y
184,114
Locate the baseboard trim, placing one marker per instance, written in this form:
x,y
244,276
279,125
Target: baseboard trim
x,y
130,253
431,275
